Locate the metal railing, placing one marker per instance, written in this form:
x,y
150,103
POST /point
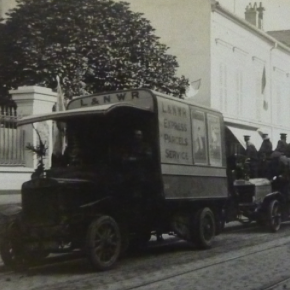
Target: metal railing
x,y
11,138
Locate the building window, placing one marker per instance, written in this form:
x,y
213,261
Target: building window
x,y
239,92
223,87
279,112
259,97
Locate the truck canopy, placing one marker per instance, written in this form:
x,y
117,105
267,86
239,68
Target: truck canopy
x,y
94,110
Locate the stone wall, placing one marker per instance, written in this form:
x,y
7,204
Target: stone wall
x,y
31,100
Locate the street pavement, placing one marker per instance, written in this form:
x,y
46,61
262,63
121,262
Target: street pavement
x,y
6,199
242,258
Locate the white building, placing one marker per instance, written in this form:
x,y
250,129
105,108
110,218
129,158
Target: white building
x,y
244,72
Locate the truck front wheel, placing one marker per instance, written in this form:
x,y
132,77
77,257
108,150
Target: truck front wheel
x,y
11,247
103,243
274,215
203,228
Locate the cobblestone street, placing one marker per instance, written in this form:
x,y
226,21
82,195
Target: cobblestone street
x,y
242,258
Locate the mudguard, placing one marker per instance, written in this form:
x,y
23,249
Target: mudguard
x,y
8,213
273,195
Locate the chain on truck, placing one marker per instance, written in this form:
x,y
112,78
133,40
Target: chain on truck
x,y
136,163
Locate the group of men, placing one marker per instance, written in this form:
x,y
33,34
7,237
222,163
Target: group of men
x,y
266,162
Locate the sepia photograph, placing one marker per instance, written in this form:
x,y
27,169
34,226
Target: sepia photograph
x,y
144,144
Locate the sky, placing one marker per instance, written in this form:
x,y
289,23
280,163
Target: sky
x,y
276,14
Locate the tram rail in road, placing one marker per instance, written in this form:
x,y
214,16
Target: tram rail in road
x,y
168,239
218,259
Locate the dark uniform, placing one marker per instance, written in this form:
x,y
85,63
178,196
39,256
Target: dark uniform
x,y
265,152
282,144
266,147
252,156
280,150
283,169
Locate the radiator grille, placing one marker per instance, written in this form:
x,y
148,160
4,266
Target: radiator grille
x,y
245,193
40,205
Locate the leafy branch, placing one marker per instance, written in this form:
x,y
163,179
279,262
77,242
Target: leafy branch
x,y
40,151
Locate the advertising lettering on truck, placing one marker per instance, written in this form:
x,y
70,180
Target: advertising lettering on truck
x,y
140,98
191,150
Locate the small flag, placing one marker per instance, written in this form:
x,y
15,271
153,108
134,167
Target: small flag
x,y
193,89
263,81
263,86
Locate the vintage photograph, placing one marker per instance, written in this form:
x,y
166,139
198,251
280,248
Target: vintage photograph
x,y
144,144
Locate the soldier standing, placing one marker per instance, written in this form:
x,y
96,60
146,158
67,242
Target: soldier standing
x,y
265,152
282,144
252,156
266,147
279,151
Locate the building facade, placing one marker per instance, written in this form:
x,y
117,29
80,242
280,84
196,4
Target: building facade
x,y
244,71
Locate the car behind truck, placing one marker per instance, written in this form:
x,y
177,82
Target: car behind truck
x,y
136,163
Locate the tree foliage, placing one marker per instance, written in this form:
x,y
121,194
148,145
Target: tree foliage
x,y
93,45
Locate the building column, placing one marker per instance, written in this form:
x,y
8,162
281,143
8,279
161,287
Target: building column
x,y
35,100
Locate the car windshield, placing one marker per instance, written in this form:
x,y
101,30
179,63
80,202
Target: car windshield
x,y
87,142
96,141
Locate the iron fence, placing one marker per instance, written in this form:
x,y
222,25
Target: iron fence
x,y
11,138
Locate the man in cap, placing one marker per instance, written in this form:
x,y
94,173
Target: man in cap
x,y
265,152
283,168
278,153
282,144
252,156
266,147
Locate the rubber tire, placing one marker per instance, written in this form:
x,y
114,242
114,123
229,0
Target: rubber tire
x,y
94,259
273,228
6,248
6,252
197,234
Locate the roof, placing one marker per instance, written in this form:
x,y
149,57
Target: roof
x,y
103,109
152,92
281,35
216,7
94,110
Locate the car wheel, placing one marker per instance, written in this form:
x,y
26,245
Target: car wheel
x,y
103,243
274,216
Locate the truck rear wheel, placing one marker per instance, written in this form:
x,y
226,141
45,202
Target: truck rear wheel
x,y
203,228
103,243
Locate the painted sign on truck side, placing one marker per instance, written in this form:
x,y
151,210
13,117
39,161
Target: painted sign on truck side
x,y
140,98
174,132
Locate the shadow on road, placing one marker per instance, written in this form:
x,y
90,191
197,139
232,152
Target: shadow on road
x,y
239,228
76,264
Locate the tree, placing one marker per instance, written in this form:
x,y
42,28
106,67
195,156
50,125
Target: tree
x,y
93,45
